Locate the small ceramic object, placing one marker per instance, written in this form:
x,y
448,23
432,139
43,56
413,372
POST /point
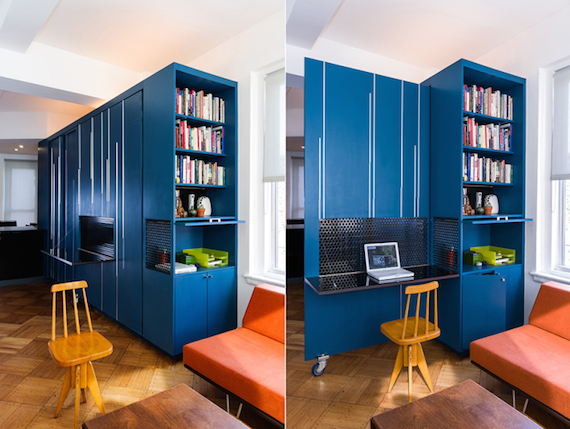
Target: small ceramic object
x,y
493,201
206,204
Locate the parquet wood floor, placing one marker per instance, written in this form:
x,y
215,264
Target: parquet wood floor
x,y
354,386
30,381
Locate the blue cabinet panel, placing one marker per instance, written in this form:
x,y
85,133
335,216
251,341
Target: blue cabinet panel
x,y
222,301
313,141
484,302
410,148
449,299
130,232
158,309
388,144
347,142
514,295
330,319
91,273
191,310
424,164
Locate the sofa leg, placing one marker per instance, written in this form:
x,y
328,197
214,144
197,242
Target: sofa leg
x,y
514,399
239,410
525,405
228,403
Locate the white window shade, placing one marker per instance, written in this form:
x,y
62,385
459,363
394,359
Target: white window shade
x,y
274,148
561,125
20,191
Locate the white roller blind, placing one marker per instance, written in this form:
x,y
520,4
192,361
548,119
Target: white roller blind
x,y
20,191
274,151
561,125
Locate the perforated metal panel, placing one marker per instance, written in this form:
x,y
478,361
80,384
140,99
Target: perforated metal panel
x,y
158,245
341,241
445,243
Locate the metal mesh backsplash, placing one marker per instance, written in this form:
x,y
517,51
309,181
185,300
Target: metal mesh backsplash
x,y
341,241
445,243
158,245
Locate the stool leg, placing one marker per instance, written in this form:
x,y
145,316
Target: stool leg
x,y
94,387
422,366
64,391
77,394
397,368
410,368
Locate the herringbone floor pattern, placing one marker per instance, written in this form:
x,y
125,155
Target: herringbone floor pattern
x,y
30,381
354,386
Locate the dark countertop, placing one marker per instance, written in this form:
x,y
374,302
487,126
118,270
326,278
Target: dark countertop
x,y
359,281
4,229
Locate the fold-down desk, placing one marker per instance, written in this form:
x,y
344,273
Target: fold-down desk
x,y
344,312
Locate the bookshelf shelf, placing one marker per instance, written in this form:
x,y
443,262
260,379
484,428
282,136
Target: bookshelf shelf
x,y
470,183
199,121
486,119
485,150
199,153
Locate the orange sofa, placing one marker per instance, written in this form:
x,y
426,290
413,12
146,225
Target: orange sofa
x,y
535,358
248,362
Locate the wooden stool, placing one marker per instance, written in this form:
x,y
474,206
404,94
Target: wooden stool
x,y
409,332
76,351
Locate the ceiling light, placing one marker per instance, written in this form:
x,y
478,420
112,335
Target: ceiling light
x,y
302,147
21,146
16,149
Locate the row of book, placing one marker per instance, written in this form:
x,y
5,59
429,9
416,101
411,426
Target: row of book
x,y
482,169
200,105
487,102
207,139
199,172
490,136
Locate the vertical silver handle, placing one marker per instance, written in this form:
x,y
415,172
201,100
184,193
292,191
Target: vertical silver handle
x,y
369,154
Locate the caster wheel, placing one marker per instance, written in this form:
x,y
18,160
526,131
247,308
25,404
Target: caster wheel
x,y
318,369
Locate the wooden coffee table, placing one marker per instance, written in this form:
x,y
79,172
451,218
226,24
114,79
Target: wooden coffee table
x,y
466,405
178,407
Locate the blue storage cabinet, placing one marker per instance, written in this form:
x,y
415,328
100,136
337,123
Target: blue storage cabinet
x,y
118,162
367,146
168,298
486,299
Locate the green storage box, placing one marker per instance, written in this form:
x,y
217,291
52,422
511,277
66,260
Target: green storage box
x,y
185,259
496,255
472,258
208,257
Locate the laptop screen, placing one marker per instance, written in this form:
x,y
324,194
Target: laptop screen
x,y
381,255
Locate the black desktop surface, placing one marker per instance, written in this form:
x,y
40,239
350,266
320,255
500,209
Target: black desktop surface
x,y
359,281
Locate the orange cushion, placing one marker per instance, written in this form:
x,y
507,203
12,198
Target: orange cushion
x,y
531,359
246,363
551,310
266,312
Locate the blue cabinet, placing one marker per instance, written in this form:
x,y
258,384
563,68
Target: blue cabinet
x,y
205,305
118,162
497,291
484,302
347,142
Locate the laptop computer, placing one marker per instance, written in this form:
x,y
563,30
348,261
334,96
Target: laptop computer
x,y
383,262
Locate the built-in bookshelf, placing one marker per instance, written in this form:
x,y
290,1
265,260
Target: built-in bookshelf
x,y
200,104
478,155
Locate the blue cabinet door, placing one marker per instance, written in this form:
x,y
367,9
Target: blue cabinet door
x,y
222,301
71,179
387,169
91,273
111,139
514,295
484,301
191,310
129,215
346,144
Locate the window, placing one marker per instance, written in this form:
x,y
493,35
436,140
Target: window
x,y
560,170
274,172
20,191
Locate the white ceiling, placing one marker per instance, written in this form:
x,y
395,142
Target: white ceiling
x,y
430,34
138,36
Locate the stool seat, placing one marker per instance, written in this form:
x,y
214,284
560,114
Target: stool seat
x,y
393,330
78,349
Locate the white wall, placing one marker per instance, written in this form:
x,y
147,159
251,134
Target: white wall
x,y
525,55
241,59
